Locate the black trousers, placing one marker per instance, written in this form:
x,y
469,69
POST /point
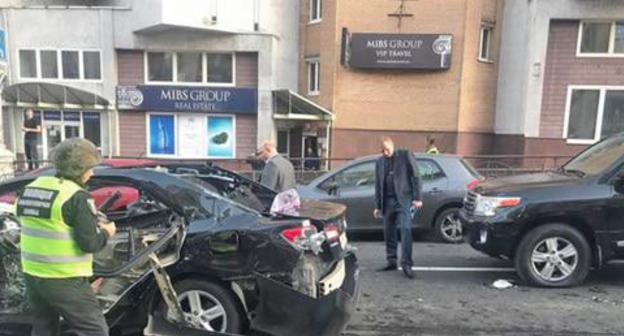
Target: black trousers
x,y
71,298
397,219
32,156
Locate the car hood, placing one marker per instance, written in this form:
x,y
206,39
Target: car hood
x,y
518,184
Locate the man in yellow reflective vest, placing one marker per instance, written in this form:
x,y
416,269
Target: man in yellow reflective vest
x,y
60,231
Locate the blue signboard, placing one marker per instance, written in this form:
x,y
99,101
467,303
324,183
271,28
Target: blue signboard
x,y
221,137
3,51
162,136
188,99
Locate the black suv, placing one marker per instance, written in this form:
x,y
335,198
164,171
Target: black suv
x,y
555,225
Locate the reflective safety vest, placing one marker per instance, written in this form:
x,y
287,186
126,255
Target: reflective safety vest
x,y
433,150
47,243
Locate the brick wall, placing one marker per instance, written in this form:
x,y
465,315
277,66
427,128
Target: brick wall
x,y
132,132
247,70
563,68
130,69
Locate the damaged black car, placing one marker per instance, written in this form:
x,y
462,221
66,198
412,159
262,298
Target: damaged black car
x,y
201,252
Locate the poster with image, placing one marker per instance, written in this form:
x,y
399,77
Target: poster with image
x,y
162,134
221,137
191,136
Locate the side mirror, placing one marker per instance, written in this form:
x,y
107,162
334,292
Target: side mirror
x,y
332,188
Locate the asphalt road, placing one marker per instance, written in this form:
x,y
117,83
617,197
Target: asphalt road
x,y
462,301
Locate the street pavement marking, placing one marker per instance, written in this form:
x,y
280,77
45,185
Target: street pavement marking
x,y
461,269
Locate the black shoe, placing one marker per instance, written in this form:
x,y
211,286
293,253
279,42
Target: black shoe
x,y
389,267
409,273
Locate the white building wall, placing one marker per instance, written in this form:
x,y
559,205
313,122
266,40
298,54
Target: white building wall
x,y
524,44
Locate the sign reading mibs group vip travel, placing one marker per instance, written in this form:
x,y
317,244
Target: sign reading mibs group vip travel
x,y
187,99
398,51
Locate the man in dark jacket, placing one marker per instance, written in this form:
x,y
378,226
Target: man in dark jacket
x,y
397,195
60,233
278,173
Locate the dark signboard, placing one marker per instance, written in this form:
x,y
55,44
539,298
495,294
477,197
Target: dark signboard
x,y
187,99
398,51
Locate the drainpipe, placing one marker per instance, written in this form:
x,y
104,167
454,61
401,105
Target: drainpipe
x,y
327,135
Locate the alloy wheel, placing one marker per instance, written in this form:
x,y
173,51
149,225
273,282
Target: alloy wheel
x,y
554,259
451,228
202,310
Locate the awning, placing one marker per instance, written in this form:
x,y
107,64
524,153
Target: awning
x,y
52,96
288,105
168,27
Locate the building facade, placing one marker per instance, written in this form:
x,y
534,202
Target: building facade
x,y
561,83
406,69
151,78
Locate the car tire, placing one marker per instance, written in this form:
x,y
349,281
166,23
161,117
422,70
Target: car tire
x,y
448,227
211,295
553,255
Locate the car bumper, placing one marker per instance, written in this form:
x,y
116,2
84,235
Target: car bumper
x,y
283,311
493,236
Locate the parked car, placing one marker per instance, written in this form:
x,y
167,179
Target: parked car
x,y
446,178
556,225
233,265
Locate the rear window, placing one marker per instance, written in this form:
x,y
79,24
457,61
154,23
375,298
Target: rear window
x,y
470,168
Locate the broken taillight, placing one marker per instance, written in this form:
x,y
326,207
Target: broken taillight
x,y
304,237
473,184
331,232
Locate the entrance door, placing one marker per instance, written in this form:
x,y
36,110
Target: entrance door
x,y
310,154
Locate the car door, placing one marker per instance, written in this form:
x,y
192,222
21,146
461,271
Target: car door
x,y
354,186
435,183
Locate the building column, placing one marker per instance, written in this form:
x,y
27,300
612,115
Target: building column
x,y
6,157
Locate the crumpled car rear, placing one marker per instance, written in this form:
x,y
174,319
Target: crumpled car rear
x,y
325,315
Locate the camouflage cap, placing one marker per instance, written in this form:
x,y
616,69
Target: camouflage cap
x,y
73,157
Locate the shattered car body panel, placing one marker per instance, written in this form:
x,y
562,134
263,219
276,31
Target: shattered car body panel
x,y
182,229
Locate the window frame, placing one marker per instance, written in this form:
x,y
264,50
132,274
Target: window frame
x,y
332,178
62,123
319,12
435,164
602,94
482,29
317,75
611,50
59,64
204,62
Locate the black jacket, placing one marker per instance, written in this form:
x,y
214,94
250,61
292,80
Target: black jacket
x,y
407,184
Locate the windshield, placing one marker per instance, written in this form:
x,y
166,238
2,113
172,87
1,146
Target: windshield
x,y
598,157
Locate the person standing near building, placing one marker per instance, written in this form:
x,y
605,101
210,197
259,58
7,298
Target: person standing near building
x,y
431,147
397,195
60,233
278,173
32,130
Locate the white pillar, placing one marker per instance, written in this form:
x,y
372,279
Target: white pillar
x,y
6,157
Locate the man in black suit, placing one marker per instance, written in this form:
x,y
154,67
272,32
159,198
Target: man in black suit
x,y
397,194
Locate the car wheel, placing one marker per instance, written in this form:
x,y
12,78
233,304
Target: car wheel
x,y
553,255
448,227
209,306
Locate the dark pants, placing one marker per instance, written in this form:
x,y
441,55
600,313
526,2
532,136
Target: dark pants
x,y
397,218
71,298
32,156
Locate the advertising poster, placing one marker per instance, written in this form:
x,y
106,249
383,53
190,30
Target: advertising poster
x,y
221,137
162,136
191,136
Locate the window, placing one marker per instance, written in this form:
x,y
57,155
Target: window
x,y
63,64
601,39
190,67
49,64
283,142
219,68
314,72
71,64
594,113
28,63
316,10
92,65
61,125
485,43
91,125
360,175
191,136
429,170
160,67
